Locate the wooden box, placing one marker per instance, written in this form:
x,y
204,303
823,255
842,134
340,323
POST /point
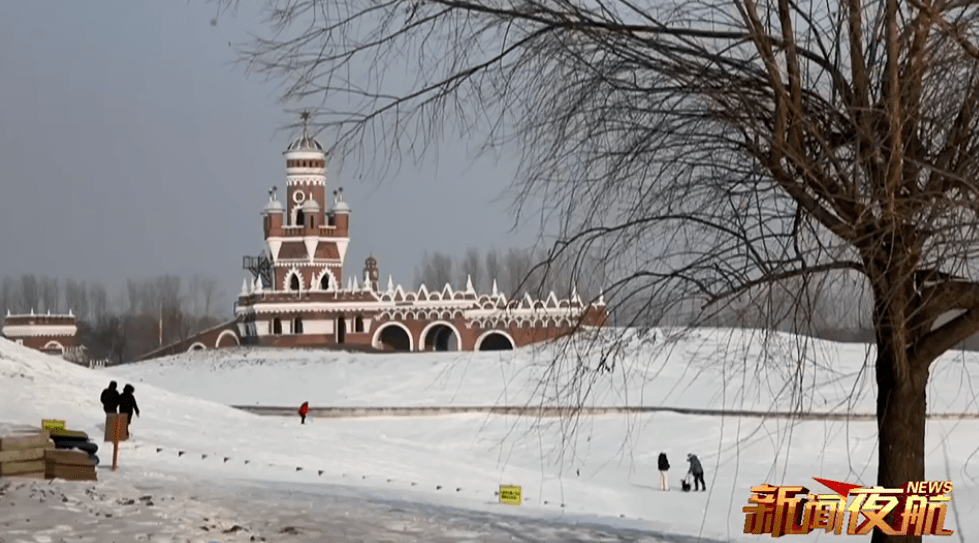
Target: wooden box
x,y
68,464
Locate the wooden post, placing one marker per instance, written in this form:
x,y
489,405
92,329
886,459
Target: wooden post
x,y
117,429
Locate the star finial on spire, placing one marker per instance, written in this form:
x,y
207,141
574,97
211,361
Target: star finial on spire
x,y
305,117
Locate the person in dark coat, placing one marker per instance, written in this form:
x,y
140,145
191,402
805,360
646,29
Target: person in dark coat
x,y
127,404
664,472
303,411
697,471
110,399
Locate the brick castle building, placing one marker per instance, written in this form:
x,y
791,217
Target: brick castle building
x,y
299,296
51,334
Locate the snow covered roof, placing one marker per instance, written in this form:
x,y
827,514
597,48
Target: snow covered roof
x,y
310,205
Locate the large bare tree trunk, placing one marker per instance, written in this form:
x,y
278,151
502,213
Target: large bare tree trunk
x,y
901,428
901,381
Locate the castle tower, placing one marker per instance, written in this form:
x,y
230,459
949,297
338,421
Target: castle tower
x,y
305,175
370,272
305,246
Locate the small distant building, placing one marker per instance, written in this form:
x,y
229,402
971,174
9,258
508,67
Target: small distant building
x,y
51,334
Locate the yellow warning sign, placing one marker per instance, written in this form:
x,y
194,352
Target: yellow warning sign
x,y
512,495
52,424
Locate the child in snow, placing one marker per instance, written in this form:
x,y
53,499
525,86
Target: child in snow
x,y
303,410
664,472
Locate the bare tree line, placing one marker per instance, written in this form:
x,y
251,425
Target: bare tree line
x,y
145,314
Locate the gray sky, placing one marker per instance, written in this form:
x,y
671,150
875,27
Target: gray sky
x,y
132,146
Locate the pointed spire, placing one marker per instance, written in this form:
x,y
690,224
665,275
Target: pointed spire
x,y
390,283
258,286
355,284
32,311
244,287
601,296
70,314
574,291
350,284
469,284
495,291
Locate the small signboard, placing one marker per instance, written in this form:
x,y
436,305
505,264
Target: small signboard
x,y
512,495
52,424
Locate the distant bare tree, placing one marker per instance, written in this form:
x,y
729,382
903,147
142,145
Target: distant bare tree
x,y
472,268
76,298
30,292
98,301
210,290
9,299
50,294
437,271
493,268
516,269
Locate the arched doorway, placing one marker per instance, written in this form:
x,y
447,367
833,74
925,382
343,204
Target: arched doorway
x,y
440,337
393,337
276,326
495,341
341,329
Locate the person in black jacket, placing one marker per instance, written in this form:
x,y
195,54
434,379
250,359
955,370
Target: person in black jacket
x,y
664,472
127,404
110,398
697,471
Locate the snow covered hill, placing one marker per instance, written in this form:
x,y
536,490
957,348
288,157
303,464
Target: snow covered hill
x,y
599,467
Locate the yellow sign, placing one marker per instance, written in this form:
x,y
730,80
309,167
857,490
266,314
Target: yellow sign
x,y
52,424
512,495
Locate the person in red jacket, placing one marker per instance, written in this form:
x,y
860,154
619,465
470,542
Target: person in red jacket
x,y
303,410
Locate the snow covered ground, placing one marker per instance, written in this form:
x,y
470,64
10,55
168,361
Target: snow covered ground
x,y
433,478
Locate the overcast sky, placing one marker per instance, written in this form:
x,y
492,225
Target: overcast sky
x,y
132,146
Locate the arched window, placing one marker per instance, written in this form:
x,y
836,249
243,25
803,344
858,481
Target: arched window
x,y
294,282
325,281
300,218
359,324
297,325
276,326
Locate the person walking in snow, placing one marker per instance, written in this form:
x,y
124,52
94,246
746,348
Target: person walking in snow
x,y
110,398
697,471
127,404
303,411
664,472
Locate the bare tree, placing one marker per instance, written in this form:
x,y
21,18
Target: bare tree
x,y
516,269
493,268
76,298
50,294
472,268
703,150
8,297
437,271
98,301
209,288
30,293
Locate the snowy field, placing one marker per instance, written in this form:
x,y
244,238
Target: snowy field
x,y
433,478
